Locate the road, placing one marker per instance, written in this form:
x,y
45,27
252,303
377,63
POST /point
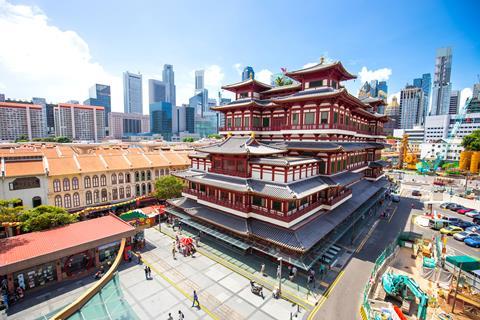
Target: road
x,y
346,296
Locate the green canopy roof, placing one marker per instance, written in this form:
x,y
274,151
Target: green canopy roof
x,y
467,263
132,215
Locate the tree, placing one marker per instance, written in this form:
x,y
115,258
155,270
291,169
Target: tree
x,y
471,142
45,217
214,136
63,140
168,187
10,210
188,139
22,138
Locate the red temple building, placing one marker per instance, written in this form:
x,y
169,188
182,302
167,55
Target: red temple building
x,y
299,166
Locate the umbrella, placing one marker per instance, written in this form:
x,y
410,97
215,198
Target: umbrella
x,y
186,241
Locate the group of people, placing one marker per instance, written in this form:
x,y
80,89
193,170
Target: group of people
x,y
6,298
293,271
148,272
181,316
186,249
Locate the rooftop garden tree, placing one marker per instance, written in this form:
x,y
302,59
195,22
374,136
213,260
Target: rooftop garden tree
x,y
471,142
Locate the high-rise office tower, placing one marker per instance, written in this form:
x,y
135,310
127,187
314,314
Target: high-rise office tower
x,y
454,105
2,97
424,83
441,83
99,95
374,89
157,91
248,73
126,124
392,111
161,119
411,107
168,77
132,91
199,80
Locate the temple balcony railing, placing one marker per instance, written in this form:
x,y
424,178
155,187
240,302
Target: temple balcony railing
x,y
315,126
240,174
225,203
334,200
293,214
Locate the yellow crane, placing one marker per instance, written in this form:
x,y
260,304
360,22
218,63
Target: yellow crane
x,y
407,158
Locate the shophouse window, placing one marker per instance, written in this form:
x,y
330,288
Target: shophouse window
x,y
149,175
120,177
143,175
137,176
128,191
68,201
56,185
114,178
88,197
66,184
114,194
76,199
87,181
121,192
95,181
58,201
103,180
104,195
149,187
127,177
75,183
96,196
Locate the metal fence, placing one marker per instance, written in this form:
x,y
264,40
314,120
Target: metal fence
x,y
380,264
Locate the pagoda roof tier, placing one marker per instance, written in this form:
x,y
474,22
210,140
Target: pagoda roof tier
x,y
335,68
247,102
290,191
326,146
321,92
241,146
197,154
253,84
302,236
284,161
378,164
288,87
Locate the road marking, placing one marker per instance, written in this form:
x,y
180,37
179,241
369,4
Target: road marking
x,y
178,288
360,247
325,296
393,213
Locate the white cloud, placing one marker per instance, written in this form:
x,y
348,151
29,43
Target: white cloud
x,y
379,74
238,68
264,76
464,95
326,59
310,64
214,77
43,60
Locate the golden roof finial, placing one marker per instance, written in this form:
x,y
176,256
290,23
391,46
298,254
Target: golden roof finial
x,y
229,134
322,59
252,135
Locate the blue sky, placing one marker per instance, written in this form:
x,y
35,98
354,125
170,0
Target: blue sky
x,y
72,44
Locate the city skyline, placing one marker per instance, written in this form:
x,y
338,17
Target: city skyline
x,y
93,60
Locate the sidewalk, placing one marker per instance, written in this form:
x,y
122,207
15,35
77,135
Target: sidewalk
x,y
223,294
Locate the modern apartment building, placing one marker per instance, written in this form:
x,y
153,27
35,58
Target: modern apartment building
x,y
441,83
21,119
125,124
441,127
80,122
132,91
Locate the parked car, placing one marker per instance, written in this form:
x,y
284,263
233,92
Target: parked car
x,y
474,228
395,198
463,224
445,205
465,234
460,207
476,219
472,242
416,193
472,213
454,207
437,224
451,230
464,211
452,220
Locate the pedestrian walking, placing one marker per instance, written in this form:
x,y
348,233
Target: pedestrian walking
x,y
312,273
262,269
146,272
170,316
149,272
294,271
290,273
279,272
195,299
180,315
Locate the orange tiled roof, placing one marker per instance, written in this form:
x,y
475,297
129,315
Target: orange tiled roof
x,y
116,162
24,168
91,163
62,166
60,240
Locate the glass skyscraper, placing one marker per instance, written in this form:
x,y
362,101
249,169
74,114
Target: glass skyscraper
x,y
132,91
168,78
161,119
424,83
248,73
100,96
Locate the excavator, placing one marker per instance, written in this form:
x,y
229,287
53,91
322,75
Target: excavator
x,y
406,157
399,286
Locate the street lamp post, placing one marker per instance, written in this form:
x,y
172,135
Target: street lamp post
x,y
280,259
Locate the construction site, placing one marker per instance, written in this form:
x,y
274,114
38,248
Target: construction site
x,y
415,278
